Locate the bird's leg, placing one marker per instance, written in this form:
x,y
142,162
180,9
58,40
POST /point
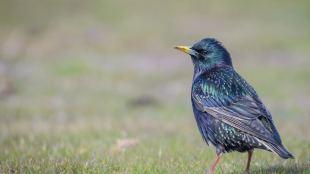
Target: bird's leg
x,y
247,170
214,163
219,153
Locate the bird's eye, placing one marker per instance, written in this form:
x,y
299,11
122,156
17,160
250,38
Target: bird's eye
x,y
205,52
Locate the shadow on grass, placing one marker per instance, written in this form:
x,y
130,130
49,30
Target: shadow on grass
x,y
280,168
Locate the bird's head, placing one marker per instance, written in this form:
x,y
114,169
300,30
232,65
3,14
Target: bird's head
x,y
207,54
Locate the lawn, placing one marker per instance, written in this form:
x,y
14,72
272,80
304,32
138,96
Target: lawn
x,y
96,87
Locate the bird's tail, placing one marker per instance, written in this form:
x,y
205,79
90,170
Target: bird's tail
x,y
279,149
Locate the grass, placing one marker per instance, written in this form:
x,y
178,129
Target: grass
x,y
95,87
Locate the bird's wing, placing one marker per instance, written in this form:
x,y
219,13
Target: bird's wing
x,y
232,100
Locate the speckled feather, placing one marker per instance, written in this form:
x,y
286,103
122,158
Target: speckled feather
x,y
227,109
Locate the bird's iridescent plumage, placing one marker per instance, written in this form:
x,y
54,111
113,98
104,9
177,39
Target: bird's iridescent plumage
x,y
227,109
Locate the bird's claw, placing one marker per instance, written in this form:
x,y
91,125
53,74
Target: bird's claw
x,y
247,171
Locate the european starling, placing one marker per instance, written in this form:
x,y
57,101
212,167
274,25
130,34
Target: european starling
x,y
228,111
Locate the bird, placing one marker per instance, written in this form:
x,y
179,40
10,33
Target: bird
x,y
228,111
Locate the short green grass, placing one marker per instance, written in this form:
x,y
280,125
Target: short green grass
x,y
95,87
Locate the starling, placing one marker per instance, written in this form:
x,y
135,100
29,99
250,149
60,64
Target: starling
x,y
228,111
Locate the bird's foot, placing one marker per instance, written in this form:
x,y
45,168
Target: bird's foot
x,y
209,172
247,171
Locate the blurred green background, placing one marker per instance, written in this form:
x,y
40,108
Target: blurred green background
x,y
96,86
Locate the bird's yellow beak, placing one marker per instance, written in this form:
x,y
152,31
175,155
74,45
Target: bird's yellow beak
x,y
187,50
